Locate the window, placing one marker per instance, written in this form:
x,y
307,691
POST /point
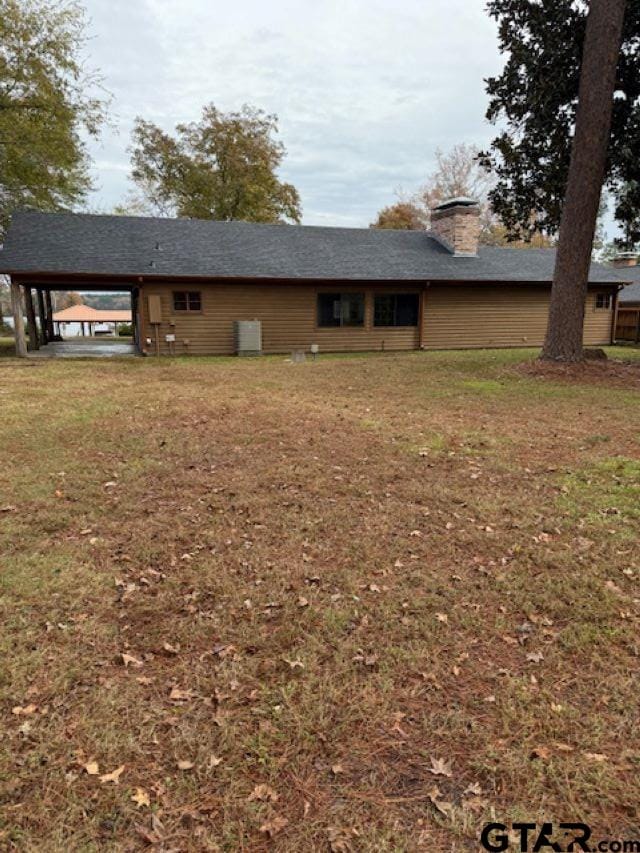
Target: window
x,y
341,309
186,301
396,309
604,301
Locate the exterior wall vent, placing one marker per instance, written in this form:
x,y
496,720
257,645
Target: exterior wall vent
x,y
248,337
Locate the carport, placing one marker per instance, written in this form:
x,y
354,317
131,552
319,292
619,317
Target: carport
x,y
33,291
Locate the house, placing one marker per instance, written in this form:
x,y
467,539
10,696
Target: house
x,y
628,314
342,289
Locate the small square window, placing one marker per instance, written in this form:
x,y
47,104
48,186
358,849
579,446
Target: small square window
x,y
187,300
604,301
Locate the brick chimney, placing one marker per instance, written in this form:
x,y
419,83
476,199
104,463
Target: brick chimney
x,y
456,224
625,259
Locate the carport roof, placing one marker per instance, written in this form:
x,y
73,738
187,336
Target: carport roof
x,y
123,246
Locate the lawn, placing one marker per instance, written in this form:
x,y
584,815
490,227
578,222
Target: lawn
x,y
361,604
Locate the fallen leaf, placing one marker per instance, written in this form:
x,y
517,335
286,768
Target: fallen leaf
x,y
156,824
303,602
541,752
129,660
169,649
263,793
114,776
442,806
141,798
214,761
274,825
475,804
91,767
178,695
223,650
24,711
442,617
613,587
535,657
440,767
598,757
185,765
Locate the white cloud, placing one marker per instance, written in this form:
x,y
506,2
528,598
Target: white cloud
x,y
365,90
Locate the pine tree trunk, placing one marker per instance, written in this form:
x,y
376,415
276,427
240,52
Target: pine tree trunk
x,y
603,37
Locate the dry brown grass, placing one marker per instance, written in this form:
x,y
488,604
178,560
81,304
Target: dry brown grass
x,y
358,565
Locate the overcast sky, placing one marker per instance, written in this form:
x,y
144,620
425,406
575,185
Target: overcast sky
x,y
365,90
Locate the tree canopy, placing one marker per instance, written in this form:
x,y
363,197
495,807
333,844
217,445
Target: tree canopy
x,y
458,173
401,216
45,105
221,167
535,99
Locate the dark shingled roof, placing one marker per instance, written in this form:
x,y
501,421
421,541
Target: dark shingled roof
x,y
134,246
631,293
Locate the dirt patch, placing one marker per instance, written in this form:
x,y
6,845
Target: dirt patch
x,y
618,373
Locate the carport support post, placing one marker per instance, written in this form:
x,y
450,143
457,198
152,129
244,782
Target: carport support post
x,y
31,319
42,316
18,320
50,332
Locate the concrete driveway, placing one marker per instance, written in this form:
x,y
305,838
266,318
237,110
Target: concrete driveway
x,y
84,348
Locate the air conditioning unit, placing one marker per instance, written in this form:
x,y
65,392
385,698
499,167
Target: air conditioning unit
x,y
248,337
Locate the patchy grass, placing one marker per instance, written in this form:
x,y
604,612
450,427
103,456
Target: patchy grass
x,y
324,578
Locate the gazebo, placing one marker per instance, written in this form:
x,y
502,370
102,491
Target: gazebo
x,y
88,317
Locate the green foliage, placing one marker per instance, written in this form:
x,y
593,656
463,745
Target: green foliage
x,y
105,301
535,99
222,167
401,216
44,106
125,330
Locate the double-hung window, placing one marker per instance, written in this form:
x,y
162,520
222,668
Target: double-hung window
x,y
604,301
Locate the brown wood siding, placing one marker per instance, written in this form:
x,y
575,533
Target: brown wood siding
x,y
287,313
459,317
454,317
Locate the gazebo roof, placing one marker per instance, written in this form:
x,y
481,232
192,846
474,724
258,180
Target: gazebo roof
x,y
87,314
